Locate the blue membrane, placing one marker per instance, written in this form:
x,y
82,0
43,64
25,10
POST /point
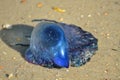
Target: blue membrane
x,y
58,44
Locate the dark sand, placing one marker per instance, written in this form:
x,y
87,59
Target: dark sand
x,y
100,17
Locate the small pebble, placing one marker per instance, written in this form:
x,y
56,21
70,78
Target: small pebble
x,y
4,53
89,15
29,16
61,19
14,58
21,66
107,64
59,9
9,75
39,5
1,67
81,16
6,26
106,13
107,35
67,70
106,71
95,30
22,1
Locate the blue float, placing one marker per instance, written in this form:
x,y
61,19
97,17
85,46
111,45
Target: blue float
x,y
56,44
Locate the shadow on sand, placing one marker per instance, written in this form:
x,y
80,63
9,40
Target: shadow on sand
x,y
17,35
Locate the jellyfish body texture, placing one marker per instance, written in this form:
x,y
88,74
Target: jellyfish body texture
x,y
59,44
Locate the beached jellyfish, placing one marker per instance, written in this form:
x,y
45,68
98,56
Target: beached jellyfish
x,y
58,44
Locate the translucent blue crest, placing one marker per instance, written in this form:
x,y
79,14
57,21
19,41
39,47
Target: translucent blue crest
x,y
48,46
58,44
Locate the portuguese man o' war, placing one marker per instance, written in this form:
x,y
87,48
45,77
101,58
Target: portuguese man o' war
x,y
59,44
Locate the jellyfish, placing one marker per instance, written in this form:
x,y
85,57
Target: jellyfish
x,y
57,44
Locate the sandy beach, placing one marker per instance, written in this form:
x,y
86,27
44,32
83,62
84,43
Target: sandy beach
x,y
99,17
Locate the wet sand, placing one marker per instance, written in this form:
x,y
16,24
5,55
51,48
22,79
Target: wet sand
x,y
100,17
